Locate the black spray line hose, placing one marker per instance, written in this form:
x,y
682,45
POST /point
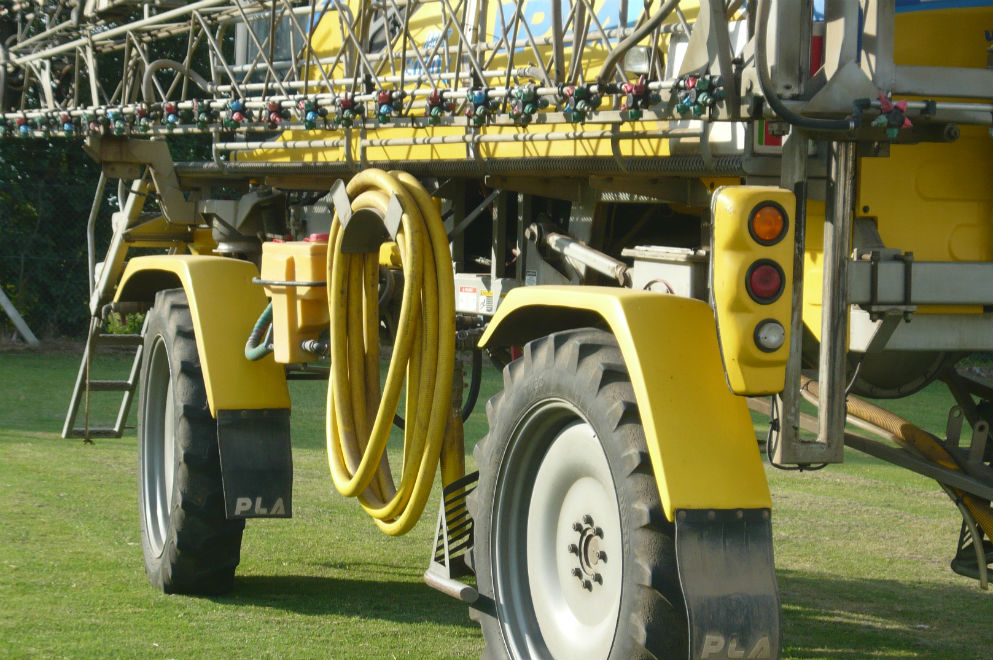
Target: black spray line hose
x,y
475,379
765,84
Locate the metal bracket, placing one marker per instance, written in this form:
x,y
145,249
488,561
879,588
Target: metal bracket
x,y
875,308
953,428
365,229
453,540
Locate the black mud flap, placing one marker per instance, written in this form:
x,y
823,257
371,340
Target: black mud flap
x,y
729,583
256,463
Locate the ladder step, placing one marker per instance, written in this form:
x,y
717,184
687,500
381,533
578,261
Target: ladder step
x,y
94,433
110,386
119,340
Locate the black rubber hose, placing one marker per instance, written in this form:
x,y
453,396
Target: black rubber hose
x,y
608,65
475,379
765,84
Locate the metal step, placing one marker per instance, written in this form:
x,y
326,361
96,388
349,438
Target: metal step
x,y
109,385
94,433
96,340
121,340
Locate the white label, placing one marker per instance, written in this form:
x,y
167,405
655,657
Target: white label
x,y
465,300
530,278
486,302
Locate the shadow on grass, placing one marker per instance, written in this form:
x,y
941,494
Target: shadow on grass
x,y
830,617
402,602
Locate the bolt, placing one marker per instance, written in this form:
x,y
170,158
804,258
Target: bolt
x,y
588,519
578,573
602,556
573,548
598,531
577,526
587,585
598,578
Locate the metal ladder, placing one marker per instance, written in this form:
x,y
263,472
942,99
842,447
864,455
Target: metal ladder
x,y
85,385
149,166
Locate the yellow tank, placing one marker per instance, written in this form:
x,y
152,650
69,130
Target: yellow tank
x,y
295,273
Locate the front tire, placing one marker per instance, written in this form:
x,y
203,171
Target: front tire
x,y
574,557
189,545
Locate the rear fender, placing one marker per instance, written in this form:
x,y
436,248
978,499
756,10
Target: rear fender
x,y
700,436
224,305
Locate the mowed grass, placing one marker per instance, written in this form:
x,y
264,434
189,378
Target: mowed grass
x,y
862,553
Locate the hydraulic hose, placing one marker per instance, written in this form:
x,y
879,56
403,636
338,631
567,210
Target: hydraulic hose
x,y
765,83
475,380
640,33
910,436
259,342
359,418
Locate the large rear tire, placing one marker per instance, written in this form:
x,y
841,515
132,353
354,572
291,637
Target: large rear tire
x,y
573,555
189,545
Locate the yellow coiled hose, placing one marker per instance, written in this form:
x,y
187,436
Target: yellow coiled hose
x,y
358,417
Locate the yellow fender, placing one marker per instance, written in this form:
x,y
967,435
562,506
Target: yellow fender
x,y
700,436
224,305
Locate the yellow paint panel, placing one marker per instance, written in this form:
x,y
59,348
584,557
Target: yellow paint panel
x,y
936,199
225,305
699,435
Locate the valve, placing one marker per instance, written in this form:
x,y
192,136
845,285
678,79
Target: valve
x,y
171,115
347,110
68,126
637,99
437,106
525,103
389,103
117,122
697,94
143,120
579,101
275,114
893,118
480,107
311,112
204,115
238,112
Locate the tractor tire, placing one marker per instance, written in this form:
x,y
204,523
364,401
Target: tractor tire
x,y
189,545
574,556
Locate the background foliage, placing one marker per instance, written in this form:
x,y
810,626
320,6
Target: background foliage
x,y
46,192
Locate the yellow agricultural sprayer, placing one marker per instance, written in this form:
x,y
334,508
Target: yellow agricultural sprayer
x,y
648,213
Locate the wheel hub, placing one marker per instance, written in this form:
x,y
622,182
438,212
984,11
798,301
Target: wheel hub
x,y
587,552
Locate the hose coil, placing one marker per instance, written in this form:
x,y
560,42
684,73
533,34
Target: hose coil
x,y
359,418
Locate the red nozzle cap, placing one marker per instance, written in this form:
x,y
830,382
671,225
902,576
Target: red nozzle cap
x,y
318,238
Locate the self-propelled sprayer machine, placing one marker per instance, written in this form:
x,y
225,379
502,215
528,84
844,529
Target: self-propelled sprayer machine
x,y
648,213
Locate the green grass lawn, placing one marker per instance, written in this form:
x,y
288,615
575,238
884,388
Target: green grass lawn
x,y
862,552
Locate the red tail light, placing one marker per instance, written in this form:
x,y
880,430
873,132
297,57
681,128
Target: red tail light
x,y
764,281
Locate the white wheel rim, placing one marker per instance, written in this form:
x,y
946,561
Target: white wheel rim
x,y
561,477
158,463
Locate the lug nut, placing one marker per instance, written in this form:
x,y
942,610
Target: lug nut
x,y
602,556
598,578
577,527
573,548
578,573
587,585
598,531
588,519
